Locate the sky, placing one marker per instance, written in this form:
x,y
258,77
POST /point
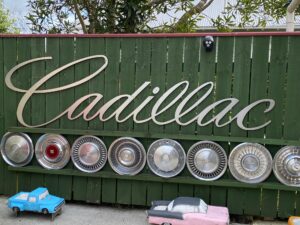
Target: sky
x,y
18,10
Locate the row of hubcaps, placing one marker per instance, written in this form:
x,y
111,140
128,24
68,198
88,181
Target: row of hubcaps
x,y
206,160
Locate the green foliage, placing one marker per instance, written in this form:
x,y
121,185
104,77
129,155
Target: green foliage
x,y
6,23
249,13
121,16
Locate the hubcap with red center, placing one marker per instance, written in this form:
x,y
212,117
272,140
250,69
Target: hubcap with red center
x,y
52,151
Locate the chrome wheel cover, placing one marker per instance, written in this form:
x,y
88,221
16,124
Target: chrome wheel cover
x,y
250,163
52,151
16,149
166,158
206,160
127,156
89,153
286,165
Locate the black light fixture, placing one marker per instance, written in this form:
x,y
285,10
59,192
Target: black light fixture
x,y
208,43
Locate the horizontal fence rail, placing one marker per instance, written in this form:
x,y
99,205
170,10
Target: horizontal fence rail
x,y
245,66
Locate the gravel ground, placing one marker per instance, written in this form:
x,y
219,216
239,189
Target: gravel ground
x,y
86,214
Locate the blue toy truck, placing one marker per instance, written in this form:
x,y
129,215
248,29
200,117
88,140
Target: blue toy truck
x,y
39,200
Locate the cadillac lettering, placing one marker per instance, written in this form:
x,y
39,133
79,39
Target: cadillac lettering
x,y
158,101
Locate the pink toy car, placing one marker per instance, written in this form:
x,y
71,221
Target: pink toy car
x,y
187,211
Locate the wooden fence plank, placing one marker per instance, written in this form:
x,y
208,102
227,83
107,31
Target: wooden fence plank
x,y
286,206
191,74
66,99
258,87
112,79
158,73
291,116
223,90
276,91
207,74
142,74
240,90
109,186
24,82
96,85
127,76
10,103
52,102
2,115
93,190
173,76
80,71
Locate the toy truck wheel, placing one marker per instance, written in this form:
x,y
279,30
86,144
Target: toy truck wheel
x,y
45,211
166,224
16,210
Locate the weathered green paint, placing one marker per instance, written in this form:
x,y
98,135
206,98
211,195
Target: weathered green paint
x,y
164,62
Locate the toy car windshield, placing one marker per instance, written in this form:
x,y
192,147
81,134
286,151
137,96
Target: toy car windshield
x,y
187,205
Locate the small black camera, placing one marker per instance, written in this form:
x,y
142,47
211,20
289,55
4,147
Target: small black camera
x,y
208,43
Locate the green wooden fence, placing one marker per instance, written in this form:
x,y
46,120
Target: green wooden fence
x,y
248,67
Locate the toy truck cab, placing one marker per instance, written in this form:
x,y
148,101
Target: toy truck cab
x,y
39,200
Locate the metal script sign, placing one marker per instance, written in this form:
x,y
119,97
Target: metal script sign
x,y
93,99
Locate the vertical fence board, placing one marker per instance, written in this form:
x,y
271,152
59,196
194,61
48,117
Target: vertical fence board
x,y
109,190
269,203
2,115
235,201
138,192
286,204
158,72
38,102
258,90
127,76
79,188
24,82
202,192
207,74
10,102
223,90
291,120
276,91
173,76
80,71
291,117
142,74
109,186
112,79
240,90
96,85
52,101
66,99
258,85
93,194
191,74
154,192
